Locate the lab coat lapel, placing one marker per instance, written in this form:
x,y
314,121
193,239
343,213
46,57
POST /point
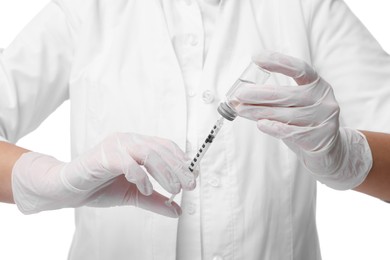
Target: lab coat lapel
x,y
171,117
167,77
227,56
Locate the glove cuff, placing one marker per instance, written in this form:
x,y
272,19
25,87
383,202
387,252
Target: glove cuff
x,y
35,182
345,164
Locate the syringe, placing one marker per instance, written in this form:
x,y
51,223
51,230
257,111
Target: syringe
x,y
253,74
206,144
194,165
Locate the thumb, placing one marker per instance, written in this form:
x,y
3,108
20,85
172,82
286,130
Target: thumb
x,y
292,67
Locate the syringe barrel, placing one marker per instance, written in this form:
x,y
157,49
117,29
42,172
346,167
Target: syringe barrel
x,y
252,74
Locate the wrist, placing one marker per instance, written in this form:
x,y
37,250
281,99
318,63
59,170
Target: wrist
x,y
344,164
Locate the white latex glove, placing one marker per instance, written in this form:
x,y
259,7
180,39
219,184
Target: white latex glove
x,y
306,118
108,175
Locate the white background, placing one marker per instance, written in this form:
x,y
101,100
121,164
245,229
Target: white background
x,y
351,225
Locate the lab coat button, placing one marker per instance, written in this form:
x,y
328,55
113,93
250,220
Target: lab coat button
x,y
214,182
217,257
192,40
191,209
208,97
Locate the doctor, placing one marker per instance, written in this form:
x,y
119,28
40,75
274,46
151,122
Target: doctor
x,y
160,68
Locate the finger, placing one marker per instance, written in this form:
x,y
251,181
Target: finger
x,y
162,172
177,160
155,203
287,133
283,96
185,176
305,137
170,146
295,68
120,193
277,129
143,154
135,174
297,116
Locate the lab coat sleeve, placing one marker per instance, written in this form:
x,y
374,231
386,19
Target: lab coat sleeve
x,y
351,60
34,72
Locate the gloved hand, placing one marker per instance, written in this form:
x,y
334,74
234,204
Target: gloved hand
x,y
306,118
108,175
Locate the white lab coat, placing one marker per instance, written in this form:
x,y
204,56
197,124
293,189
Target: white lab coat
x,y
115,61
